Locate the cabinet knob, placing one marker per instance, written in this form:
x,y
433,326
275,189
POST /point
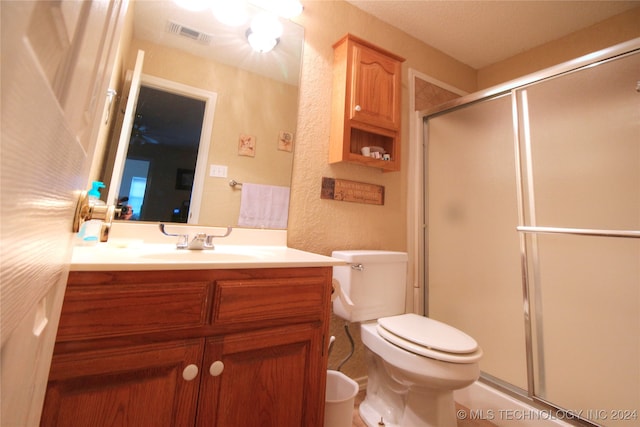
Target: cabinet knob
x,y
358,108
216,368
190,372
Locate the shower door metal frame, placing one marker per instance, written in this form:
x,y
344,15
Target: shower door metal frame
x,y
511,89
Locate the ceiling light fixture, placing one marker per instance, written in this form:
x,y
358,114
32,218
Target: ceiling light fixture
x,y
260,43
266,29
264,33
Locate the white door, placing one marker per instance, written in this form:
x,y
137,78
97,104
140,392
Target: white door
x,y
133,81
56,60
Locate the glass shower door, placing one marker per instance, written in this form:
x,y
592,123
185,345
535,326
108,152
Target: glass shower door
x,y
473,249
580,136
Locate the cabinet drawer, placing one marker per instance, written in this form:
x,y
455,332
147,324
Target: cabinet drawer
x,y
261,299
96,311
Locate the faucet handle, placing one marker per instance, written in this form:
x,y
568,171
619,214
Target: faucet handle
x,y
162,230
208,239
183,239
229,230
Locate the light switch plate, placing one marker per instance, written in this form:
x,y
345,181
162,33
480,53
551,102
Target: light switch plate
x,y
218,171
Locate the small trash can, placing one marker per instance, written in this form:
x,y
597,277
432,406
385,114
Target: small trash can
x,y
339,397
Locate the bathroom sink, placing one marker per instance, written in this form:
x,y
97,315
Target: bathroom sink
x,y
199,256
220,253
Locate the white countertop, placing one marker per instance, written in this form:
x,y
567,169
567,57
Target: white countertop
x,y
141,246
142,256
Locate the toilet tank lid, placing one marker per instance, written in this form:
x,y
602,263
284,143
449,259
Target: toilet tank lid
x,y
370,256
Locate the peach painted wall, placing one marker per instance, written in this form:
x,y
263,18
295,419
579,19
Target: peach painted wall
x,y
609,32
322,225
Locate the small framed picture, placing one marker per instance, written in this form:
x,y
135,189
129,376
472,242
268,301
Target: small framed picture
x,y
247,145
285,141
184,179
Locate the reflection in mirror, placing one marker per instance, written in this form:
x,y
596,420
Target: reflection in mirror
x,y
165,136
166,127
257,100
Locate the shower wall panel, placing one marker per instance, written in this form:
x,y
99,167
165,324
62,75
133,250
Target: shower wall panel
x,y
583,171
587,326
584,146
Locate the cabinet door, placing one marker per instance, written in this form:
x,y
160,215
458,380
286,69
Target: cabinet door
x,y
271,378
376,88
143,385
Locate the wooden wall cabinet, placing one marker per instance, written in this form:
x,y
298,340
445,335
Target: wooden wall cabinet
x,y
215,348
366,103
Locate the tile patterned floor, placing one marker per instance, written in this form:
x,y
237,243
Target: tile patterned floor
x,y
357,422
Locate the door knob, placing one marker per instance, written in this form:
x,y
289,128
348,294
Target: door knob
x,y
85,211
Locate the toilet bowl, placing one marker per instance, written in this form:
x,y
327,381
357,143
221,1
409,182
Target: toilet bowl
x,y
425,383
413,363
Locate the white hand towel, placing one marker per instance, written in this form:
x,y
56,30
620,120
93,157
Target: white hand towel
x,y
264,206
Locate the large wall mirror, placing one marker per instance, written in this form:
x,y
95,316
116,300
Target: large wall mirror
x,y
209,109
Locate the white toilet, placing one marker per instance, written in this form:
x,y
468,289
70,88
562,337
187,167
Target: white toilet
x,y
414,363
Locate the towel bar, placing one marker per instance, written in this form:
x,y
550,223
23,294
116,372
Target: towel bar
x,y
581,231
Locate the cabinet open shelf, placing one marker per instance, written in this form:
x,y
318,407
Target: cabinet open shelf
x,y
383,140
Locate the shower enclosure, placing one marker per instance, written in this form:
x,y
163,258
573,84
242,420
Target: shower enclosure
x,y
532,241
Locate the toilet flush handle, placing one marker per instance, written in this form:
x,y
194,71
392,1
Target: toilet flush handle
x,y
358,267
344,298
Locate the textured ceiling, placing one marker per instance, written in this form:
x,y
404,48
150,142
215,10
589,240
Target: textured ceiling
x,y
482,32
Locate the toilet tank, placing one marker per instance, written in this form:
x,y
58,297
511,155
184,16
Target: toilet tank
x,y
375,281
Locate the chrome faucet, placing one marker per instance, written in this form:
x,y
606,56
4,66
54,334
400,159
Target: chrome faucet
x,y
199,242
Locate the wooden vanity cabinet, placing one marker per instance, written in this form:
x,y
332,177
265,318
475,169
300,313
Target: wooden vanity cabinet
x,y
366,103
191,348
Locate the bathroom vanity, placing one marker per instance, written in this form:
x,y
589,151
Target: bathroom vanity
x,y
203,339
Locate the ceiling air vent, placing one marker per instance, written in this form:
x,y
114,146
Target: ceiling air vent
x,y
181,30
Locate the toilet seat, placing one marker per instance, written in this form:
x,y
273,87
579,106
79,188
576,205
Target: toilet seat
x,y
429,338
